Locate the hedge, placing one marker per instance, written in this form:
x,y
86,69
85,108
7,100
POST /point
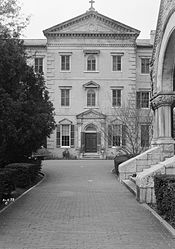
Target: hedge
x,y
165,196
24,173
17,175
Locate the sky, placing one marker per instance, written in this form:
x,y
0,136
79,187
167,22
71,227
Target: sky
x,y
138,14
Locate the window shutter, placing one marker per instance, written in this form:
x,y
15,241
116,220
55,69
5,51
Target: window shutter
x,y
58,136
72,136
123,135
98,138
82,141
109,136
138,100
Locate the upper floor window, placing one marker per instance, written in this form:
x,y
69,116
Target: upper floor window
x,y
142,99
65,62
91,98
116,62
116,97
65,97
145,65
39,65
91,63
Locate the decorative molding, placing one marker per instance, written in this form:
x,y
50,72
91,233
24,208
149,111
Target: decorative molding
x,y
162,100
133,45
91,114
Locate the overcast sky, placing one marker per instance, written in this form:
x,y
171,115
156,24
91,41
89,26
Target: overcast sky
x,y
139,14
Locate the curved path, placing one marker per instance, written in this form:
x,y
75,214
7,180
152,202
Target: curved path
x,y
80,205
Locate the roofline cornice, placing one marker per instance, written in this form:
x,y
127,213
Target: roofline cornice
x,y
94,35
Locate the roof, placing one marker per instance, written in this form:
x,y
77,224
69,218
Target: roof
x,y
144,43
35,42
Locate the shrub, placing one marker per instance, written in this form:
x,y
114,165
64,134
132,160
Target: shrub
x,y
165,195
24,173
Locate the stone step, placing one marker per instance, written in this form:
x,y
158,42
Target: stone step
x,y
91,156
130,185
133,179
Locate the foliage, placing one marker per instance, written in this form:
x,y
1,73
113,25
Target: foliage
x,y
24,174
26,114
131,119
12,20
165,196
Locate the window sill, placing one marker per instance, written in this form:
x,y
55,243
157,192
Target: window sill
x,y
65,71
65,147
91,71
91,107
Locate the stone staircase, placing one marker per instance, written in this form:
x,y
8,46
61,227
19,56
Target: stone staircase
x,y
137,174
91,156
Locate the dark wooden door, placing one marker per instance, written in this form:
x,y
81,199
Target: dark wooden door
x,y
90,142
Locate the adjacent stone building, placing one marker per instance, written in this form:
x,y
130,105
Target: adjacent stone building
x,y
93,66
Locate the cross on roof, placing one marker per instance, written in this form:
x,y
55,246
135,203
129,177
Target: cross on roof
x,y
91,2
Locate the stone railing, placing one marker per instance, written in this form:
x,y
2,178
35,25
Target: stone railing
x,y
140,162
145,179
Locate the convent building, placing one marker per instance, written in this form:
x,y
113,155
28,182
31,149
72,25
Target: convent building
x,y
93,66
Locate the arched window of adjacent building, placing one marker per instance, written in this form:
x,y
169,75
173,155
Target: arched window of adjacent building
x,y
91,97
91,63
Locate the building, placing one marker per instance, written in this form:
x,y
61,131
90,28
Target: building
x,y
93,66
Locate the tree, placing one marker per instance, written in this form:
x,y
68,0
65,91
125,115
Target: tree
x,y
26,114
12,20
129,129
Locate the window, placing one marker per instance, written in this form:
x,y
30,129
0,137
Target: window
x,y
116,63
145,65
116,135
65,96
65,62
91,98
65,135
142,100
144,135
116,97
91,63
39,65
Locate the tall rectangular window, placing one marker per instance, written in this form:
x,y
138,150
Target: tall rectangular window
x,y
91,63
38,65
65,62
116,63
145,65
116,97
65,135
116,135
65,97
144,135
142,100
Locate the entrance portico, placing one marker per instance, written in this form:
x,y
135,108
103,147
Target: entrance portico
x,y
163,87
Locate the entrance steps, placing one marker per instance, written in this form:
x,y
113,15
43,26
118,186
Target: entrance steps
x,y
131,185
91,156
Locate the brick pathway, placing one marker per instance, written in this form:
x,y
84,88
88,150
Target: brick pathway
x,y
80,205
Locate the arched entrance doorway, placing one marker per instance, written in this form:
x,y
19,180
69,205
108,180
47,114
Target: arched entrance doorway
x,y
90,139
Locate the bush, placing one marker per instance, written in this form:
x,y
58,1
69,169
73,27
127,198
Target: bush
x,y
165,196
24,173
6,184
120,159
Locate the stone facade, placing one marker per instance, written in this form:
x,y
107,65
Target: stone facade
x,y
104,39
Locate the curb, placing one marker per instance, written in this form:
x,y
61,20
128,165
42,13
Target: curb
x,y
28,190
170,229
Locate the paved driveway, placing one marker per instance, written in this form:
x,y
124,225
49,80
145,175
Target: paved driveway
x,y
80,205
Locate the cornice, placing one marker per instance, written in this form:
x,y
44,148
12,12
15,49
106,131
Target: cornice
x,y
90,45
121,35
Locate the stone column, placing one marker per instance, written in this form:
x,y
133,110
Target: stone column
x,y
162,134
